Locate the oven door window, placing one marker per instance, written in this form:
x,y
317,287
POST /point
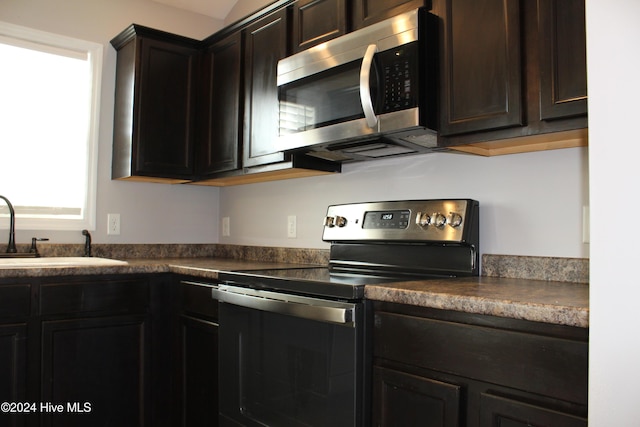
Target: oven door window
x,y
279,370
323,99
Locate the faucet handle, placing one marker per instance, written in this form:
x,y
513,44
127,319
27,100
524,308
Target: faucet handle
x,y
34,248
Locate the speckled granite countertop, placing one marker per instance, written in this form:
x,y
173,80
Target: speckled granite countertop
x,y
535,300
206,268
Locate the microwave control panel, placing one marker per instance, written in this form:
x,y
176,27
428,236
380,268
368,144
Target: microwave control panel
x,y
399,72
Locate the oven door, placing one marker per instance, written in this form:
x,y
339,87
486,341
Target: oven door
x,y
289,361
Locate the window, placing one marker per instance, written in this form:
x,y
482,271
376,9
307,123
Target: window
x,y
49,104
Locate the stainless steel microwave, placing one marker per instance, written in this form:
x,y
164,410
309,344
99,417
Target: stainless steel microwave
x,y
365,95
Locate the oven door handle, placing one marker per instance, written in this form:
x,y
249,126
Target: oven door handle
x,y
320,310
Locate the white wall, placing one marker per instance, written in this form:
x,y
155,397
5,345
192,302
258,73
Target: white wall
x,y
531,204
244,8
150,213
613,35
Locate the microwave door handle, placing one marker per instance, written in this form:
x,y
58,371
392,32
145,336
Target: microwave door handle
x,y
365,89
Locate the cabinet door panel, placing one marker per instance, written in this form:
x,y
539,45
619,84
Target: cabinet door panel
x,y
99,361
316,21
540,364
219,148
199,372
64,298
13,371
563,58
367,12
265,45
480,66
15,300
404,399
196,299
166,107
499,411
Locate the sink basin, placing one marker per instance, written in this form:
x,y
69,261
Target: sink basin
x,y
58,262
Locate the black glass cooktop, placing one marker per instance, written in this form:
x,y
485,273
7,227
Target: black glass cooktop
x,y
318,281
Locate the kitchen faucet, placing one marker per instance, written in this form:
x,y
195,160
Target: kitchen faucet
x,y
11,247
87,242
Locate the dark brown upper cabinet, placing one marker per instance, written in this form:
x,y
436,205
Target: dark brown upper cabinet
x,y
480,66
563,58
367,12
265,43
219,113
512,72
317,21
154,106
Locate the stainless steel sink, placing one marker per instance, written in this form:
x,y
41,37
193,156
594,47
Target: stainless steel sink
x,y
41,262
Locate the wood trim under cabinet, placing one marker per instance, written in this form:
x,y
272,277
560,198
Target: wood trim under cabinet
x,y
262,177
526,144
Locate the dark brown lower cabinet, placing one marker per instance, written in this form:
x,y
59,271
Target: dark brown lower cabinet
x,y
95,351
198,337
438,368
96,368
503,412
13,371
404,399
200,372
15,308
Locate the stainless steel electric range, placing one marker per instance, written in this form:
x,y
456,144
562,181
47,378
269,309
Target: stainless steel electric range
x,y
294,343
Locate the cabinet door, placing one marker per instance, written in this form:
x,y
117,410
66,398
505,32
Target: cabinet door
x,y
481,68
563,58
402,399
367,12
499,411
316,21
265,44
13,371
164,119
219,127
199,372
99,367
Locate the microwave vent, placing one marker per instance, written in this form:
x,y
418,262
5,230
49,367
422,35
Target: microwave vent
x,y
379,150
426,140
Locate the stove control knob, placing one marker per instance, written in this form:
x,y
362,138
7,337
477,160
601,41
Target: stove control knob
x,y
329,221
454,219
439,220
423,219
341,221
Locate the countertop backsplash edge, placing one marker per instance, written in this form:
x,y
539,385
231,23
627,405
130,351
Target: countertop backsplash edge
x,y
574,270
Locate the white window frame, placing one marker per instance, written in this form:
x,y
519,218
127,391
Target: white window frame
x,y
18,35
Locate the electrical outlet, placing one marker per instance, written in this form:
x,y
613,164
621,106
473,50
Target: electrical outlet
x,y
226,226
113,224
291,226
